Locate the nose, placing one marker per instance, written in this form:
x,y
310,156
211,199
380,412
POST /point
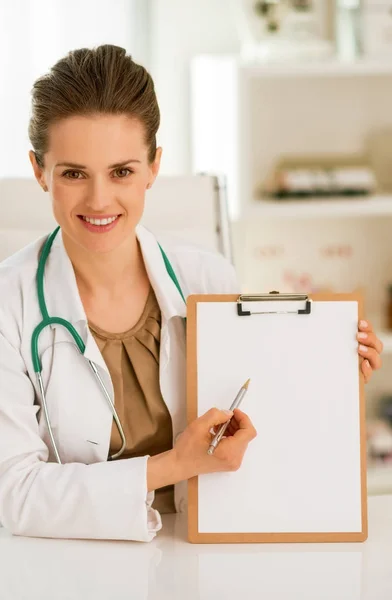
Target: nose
x,y
98,195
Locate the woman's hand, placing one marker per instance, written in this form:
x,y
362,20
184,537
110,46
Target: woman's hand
x,y
192,445
189,456
370,349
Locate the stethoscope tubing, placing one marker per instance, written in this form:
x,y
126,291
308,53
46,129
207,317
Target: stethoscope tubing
x,y
47,321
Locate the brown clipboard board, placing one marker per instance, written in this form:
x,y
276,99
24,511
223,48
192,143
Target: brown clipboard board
x,y
194,536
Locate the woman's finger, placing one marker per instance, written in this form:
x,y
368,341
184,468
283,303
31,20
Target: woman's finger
x,y
234,423
370,340
371,355
214,417
246,430
366,370
365,326
231,429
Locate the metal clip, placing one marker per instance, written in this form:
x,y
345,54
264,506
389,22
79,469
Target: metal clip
x,y
273,296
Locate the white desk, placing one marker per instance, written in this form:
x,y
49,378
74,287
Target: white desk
x,y
170,568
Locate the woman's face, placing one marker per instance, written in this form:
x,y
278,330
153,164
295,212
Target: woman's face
x,y
97,168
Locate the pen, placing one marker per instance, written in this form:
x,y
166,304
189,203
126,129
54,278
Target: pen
x,y
237,401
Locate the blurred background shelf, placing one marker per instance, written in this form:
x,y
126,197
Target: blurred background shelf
x,y
323,68
327,68
379,480
377,205
386,338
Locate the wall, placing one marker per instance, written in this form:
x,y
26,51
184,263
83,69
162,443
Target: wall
x,y
34,35
180,30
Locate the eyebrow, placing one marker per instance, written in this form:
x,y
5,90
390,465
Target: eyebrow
x,y
115,166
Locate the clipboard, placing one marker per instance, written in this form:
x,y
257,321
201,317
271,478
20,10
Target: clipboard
x,y
303,479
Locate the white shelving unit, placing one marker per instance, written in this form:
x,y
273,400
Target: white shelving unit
x,y
323,68
377,205
245,117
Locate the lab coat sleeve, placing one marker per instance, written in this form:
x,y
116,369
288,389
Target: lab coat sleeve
x,y
231,282
220,276
107,500
205,272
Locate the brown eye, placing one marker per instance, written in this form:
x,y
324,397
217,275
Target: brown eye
x,y
122,173
71,174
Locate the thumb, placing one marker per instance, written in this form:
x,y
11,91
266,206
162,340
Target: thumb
x,y
214,416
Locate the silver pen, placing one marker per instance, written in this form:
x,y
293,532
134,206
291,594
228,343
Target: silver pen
x,y
237,401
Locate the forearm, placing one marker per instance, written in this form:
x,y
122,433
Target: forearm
x,y
162,470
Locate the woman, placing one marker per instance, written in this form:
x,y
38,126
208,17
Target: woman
x,y
93,132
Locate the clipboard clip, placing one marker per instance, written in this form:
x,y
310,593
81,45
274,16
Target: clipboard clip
x,y
273,296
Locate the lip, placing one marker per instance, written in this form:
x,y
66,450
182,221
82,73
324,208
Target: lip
x,y
100,216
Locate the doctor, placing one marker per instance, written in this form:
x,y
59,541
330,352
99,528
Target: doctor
x,y
99,447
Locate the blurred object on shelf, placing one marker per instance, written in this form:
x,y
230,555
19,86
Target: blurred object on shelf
x,y
389,308
319,176
377,28
379,441
379,150
335,250
348,37
282,30
303,283
386,408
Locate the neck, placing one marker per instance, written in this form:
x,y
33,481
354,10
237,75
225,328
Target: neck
x,y
109,273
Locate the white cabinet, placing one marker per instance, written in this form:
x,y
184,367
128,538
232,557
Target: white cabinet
x,y
247,116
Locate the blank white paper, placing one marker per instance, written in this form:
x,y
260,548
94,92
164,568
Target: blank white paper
x,y
302,472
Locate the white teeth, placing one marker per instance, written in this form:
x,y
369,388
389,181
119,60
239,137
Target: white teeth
x,y
100,221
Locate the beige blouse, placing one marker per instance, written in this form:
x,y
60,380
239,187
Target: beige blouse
x,y
132,358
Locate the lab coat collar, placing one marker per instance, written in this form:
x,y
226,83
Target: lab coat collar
x,y
62,294
168,296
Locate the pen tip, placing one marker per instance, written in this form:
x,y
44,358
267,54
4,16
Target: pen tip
x,y
246,384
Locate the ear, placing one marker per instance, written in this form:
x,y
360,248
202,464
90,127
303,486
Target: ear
x,y
38,171
154,167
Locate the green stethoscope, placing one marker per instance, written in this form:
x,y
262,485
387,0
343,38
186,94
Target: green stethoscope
x,y
47,320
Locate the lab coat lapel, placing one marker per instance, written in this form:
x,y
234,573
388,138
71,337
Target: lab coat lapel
x,y
173,310
169,299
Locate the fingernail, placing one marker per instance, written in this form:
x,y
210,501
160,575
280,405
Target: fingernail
x,y
367,364
228,412
363,348
363,323
362,336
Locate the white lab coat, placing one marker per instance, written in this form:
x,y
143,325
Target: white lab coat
x,y
86,497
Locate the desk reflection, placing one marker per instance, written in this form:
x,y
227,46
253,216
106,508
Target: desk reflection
x,y
169,568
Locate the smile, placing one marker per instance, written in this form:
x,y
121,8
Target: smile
x,y
101,225
106,221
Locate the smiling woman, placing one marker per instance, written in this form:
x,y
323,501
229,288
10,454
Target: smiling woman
x,y
101,456
95,150
103,285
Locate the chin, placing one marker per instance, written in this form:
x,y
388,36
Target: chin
x,y
103,243
100,242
